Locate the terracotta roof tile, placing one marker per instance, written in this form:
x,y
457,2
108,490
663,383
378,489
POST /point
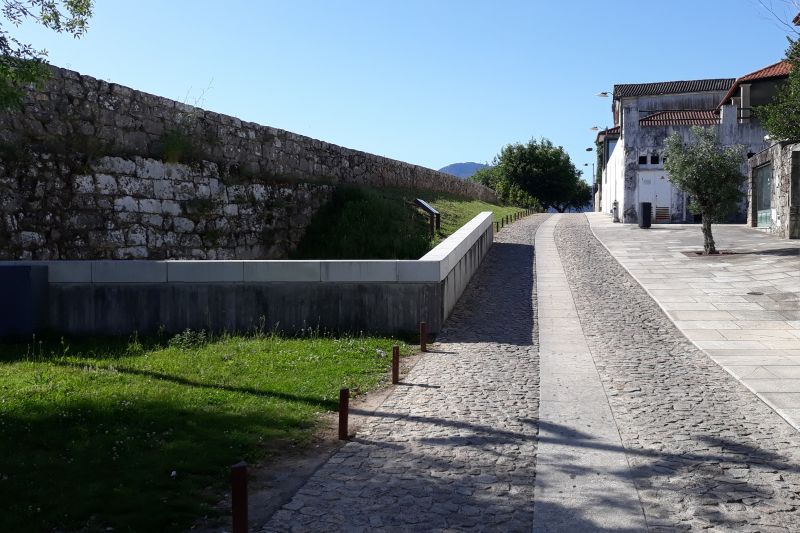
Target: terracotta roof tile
x,y
689,117
781,69
607,131
672,87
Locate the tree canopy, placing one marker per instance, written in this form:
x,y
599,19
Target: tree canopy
x,y
21,63
709,173
535,170
781,118
508,192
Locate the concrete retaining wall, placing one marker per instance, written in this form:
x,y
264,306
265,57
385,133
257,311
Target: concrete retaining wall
x,y
120,297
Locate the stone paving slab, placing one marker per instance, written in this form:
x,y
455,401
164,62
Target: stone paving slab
x,y
583,481
743,310
704,452
453,448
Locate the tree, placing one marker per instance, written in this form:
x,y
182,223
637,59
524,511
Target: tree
x,y
781,118
581,197
507,192
20,63
709,173
540,169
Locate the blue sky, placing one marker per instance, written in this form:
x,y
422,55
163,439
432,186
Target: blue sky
x,y
428,82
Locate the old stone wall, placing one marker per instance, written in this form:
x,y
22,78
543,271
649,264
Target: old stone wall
x,y
93,170
140,208
79,113
784,162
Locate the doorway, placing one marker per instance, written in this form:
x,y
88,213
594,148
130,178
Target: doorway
x,y
762,195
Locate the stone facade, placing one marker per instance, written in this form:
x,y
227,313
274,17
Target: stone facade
x,y
143,208
784,166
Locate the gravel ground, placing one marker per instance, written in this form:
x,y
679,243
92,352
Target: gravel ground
x,y
454,446
706,453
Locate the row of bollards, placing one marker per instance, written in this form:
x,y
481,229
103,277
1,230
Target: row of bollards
x,y
508,219
239,470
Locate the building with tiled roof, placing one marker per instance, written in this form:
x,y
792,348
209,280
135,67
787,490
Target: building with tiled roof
x,y
689,117
645,115
756,88
672,87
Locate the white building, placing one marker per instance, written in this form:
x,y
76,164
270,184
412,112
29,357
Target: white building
x,y
645,114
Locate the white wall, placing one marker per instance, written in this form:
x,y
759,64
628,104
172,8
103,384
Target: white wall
x,y
614,178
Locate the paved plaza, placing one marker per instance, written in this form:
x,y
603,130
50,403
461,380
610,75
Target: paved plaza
x,y
743,310
561,396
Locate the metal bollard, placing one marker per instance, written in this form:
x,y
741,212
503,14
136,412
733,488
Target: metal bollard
x,y
423,337
239,497
395,365
344,411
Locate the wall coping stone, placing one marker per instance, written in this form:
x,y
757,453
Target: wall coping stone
x,y
433,267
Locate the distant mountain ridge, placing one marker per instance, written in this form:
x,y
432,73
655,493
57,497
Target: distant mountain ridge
x,y
463,170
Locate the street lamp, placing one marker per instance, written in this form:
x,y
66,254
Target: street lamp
x,y
603,94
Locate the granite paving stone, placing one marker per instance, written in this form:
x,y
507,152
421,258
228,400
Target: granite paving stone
x,y
755,290
705,452
453,448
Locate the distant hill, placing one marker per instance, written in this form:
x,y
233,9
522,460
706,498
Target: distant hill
x,y
462,170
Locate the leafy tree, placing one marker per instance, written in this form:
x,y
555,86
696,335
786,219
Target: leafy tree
x,y
781,118
542,170
509,193
710,173
581,197
21,63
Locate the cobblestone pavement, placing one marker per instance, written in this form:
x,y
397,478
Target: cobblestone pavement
x,y
454,447
705,453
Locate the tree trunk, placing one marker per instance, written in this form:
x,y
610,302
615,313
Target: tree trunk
x,y
708,239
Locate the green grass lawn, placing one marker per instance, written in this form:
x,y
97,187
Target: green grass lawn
x,y
456,212
362,223
139,436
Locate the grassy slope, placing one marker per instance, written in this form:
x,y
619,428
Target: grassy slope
x,y
381,224
91,433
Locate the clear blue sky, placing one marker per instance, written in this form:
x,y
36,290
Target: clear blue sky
x,y
424,81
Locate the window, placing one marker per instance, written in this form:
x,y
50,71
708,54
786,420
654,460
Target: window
x,y
642,159
654,159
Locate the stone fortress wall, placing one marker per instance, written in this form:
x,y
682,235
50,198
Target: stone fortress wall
x,y
95,170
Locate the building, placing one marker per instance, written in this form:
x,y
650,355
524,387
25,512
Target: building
x,y
774,190
645,114
774,185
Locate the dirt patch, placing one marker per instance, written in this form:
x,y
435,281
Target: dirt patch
x,y
274,482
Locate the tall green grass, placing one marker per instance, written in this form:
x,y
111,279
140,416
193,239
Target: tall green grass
x,y
361,223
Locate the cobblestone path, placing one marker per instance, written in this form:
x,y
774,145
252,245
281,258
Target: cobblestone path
x,y
454,447
705,453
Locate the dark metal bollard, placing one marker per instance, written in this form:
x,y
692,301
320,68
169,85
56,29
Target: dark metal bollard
x,y
498,226
344,411
423,337
395,365
239,497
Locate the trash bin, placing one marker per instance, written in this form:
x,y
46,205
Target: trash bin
x,y
645,214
